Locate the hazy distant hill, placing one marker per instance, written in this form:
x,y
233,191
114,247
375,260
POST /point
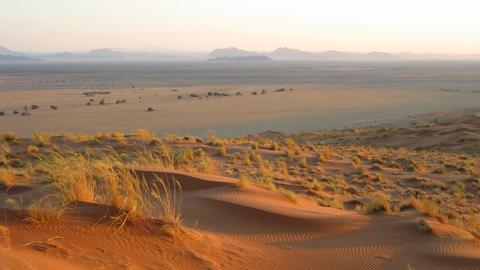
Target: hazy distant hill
x,y
290,54
224,54
284,53
14,58
111,55
7,55
249,58
230,52
6,51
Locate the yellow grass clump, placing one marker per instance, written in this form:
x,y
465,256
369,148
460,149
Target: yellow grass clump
x,y
378,201
144,135
106,180
222,151
244,181
9,136
41,138
103,136
119,138
7,176
5,149
188,160
292,196
78,137
32,149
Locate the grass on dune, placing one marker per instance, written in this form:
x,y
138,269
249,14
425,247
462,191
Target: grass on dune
x,y
7,176
41,138
144,135
9,136
81,137
104,179
32,149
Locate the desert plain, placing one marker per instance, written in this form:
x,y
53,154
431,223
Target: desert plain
x,y
311,165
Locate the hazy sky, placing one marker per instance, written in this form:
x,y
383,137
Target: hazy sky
x,y
262,25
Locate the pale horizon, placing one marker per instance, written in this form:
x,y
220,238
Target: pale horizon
x,y
437,27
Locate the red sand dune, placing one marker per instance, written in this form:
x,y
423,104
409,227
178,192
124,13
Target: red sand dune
x,y
231,228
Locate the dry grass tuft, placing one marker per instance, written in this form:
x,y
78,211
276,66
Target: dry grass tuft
x,y
222,151
7,176
145,135
106,180
5,149
425,206
46,209
9,136
292,196
32,149
244,181
42,138
378,201
119,137
78,137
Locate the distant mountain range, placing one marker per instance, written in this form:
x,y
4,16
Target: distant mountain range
x,y
247,58
289,54
110,55
225,54
7,55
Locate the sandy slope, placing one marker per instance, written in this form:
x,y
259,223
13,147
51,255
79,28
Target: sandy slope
x,y
232,228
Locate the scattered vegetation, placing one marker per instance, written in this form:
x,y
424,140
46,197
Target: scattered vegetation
x,y
441,185
41,138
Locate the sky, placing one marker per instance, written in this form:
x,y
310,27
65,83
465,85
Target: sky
x,y
421,26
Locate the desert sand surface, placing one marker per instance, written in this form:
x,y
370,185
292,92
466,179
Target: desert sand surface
x,y
147,166
324,95
265,201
